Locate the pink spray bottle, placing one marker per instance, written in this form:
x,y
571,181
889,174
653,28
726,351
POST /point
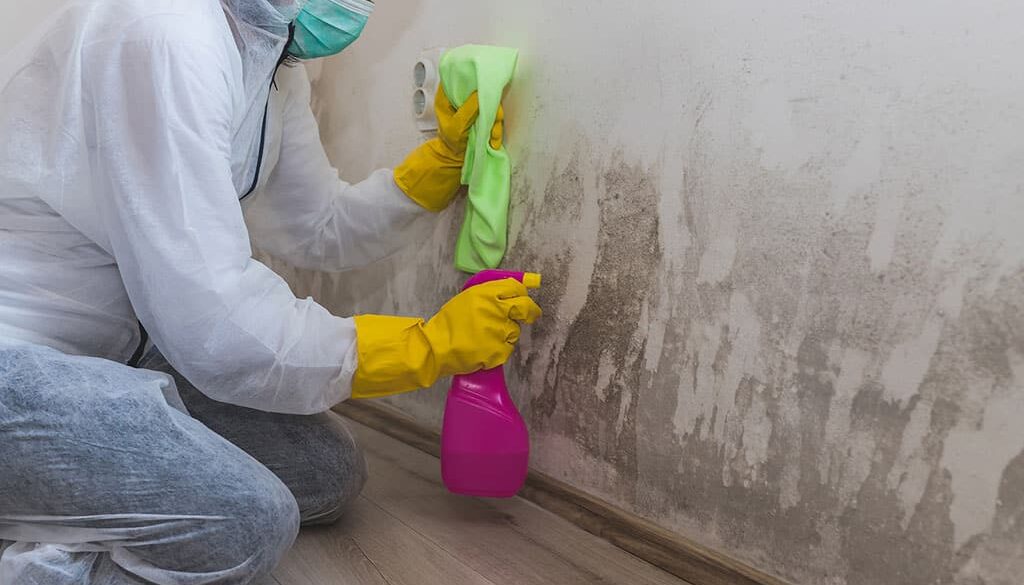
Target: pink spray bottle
x,y
485,447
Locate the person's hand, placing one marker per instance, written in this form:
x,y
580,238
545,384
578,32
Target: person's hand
x,y
453,124
432,174
476,330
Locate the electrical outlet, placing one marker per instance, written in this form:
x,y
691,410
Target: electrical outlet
x,y
426,79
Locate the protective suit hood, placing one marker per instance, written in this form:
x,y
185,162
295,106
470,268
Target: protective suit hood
x,y
273,16
260,28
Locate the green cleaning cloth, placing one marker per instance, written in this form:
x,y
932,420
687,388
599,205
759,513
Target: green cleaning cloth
x,y
488,172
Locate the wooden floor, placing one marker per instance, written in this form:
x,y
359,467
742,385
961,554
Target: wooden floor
x,y
406,529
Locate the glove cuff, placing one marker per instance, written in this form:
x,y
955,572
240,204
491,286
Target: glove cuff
x,y
431,175
394,356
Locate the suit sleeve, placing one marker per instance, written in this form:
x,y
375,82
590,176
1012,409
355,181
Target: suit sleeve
x,y
163,113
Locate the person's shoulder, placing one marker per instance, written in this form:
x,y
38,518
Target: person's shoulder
x,y
198,24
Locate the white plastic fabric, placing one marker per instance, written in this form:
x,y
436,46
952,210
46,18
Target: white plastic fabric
x,y
128,132
260,30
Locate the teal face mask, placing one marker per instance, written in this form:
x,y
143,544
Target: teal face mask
x,y
326,27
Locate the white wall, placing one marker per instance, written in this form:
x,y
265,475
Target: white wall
x,y
784,260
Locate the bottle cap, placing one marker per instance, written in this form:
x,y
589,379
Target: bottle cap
x,y
531,280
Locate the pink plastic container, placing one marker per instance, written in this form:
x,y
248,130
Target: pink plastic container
x,y
485,447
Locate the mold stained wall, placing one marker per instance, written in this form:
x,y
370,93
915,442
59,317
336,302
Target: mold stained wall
x,y
783,249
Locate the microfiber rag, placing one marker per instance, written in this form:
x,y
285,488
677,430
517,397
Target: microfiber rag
x,y
488,172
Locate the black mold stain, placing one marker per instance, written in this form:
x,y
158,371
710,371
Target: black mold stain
x,y
603,419
822,271
1003,540
545,246
815,277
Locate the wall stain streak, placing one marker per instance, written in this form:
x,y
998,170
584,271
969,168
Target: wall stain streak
x,y
783,290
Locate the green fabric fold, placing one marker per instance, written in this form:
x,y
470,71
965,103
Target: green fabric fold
x,y
486,70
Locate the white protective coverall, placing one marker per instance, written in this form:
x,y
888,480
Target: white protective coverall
x,y
131,130
132,133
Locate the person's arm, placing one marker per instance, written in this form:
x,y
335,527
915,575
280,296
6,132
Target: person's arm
x,y
163,116
309,217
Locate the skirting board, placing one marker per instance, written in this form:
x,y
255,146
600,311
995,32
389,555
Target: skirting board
x,y
666,550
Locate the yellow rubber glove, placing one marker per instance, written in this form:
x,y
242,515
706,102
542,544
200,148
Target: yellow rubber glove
x,y
432,174
474,331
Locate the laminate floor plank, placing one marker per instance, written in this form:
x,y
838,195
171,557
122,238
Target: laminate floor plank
x,y
406,529
323,555
371,547
508,541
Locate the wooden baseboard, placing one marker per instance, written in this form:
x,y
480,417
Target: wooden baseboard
x,y
666,550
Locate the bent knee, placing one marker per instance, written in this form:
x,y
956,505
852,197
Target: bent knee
x,y
257,528
336,481
234,535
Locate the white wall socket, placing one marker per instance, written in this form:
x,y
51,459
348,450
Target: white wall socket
x,y
426,78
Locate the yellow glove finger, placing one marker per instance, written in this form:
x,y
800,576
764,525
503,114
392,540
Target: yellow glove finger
x,y
467,114
453,123
524,310
443,107
516,299
512,337
506,288
498,129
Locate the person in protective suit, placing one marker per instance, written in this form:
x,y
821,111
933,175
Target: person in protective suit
x,y
142,144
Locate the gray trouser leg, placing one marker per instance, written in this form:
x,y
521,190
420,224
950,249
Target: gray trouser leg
x,y
120,487
315,456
